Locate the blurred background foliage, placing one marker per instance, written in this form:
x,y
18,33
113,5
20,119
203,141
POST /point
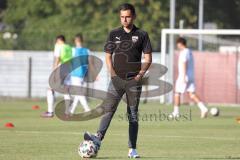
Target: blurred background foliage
x,y
34,24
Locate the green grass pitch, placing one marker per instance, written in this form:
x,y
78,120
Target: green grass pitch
x,y
35,138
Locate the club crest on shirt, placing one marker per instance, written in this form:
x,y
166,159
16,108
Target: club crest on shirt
x,y
134,39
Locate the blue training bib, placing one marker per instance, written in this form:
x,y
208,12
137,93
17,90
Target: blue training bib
x,y
80,62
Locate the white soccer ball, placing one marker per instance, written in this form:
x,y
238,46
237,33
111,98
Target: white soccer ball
x,y
214,111
87,149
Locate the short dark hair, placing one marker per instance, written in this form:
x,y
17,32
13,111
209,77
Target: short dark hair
x,y
127,6
61,37
182,41
79,36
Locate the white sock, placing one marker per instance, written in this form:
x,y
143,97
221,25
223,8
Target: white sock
x,y
202,107
67,99
130,150
83,101
74,105
176,109
50,100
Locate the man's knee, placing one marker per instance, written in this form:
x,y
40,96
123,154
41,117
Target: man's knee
x,y
109,114
191,95
177,94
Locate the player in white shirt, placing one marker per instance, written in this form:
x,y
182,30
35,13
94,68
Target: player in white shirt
x,y
185,80
62,53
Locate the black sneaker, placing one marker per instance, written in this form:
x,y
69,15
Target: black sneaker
x,y
91,137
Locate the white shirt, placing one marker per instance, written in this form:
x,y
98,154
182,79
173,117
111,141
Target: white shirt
x,y
57,50
186,56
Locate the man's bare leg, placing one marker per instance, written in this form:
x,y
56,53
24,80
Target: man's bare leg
x,y
175,112
200,104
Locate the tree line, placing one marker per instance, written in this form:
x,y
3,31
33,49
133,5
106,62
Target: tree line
x,y
35,23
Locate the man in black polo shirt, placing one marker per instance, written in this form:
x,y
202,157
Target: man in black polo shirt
x,y
124,48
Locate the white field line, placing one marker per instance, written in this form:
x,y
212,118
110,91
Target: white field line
x,y
124,135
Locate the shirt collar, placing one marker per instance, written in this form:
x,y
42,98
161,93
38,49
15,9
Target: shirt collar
x,y
133,29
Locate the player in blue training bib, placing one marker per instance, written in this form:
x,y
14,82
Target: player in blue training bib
x,y
80,69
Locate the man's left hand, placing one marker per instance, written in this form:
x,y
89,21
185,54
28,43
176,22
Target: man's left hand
x,y
138,77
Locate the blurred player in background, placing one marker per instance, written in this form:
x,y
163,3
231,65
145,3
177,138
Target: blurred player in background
x,y
185,80
62,53
77,75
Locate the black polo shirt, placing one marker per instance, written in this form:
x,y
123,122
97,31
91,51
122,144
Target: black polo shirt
x,y
127,49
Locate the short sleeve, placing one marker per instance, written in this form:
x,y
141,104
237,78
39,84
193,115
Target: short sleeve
x,y
57,50
109,45
147,47
184,56
89,52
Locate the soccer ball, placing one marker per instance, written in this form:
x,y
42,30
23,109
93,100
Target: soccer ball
x,y
214,112
87,149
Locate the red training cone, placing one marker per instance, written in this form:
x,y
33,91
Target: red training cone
x,y
35,107
9,125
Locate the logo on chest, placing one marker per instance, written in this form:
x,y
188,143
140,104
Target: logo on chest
x,y
134,39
